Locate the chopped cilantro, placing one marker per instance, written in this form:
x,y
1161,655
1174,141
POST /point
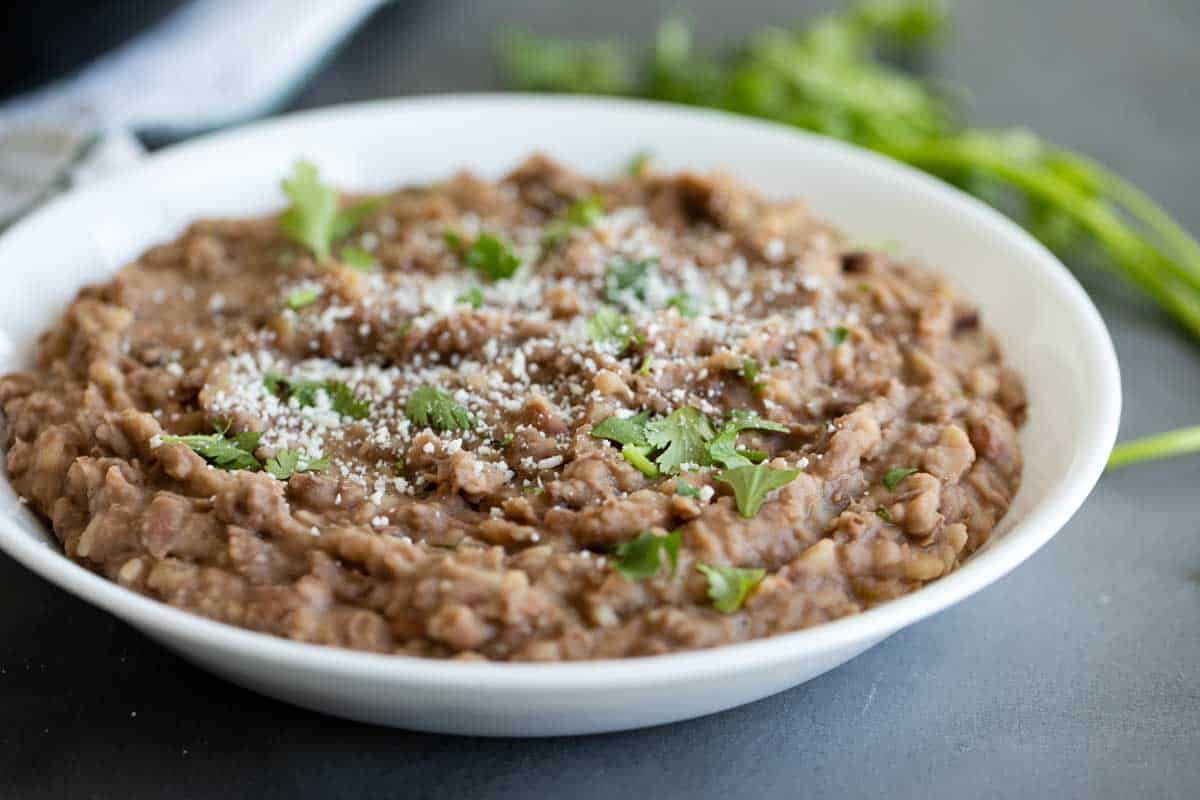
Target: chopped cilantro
x,y
581,214
752,482
344,401
314,219
683,436
838,335
432,408
488,254
728,587
472,297
220,449
641,558
626,277
507,440
723,449
640,163
892,477
302,298
286,463
637,456
685,489
750,369
629,430
883,514
611,330
647,362
358,258
341,397
682,303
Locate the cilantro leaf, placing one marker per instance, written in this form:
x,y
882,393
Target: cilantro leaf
x,y
641,558
626,276
838,335
492,256
685,489
683,436
221,450
751,483
750,370
358,258
430,407
682,303
611,330
628,430
472,297
286,463
728,587
341,397
314,220
639,164
723,449
883,514
581,214
302,298
344,401
892,477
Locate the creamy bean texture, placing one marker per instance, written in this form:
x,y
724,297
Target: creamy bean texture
x,y
542,418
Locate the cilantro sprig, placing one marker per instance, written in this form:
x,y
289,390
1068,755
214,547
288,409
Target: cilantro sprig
x,y
892,477
314,219
489,255
222,450
430,407
641,558
342,398
728,587
286,463
626,277
612,331
582,213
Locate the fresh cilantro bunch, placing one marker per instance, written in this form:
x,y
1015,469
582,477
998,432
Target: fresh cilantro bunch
x,y
828,77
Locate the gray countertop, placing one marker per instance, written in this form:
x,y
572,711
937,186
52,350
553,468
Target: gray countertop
x,y
1075,676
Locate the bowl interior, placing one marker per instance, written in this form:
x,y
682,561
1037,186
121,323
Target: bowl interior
x,y
1048,328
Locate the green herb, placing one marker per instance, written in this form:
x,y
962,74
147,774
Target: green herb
x,y
637,455
750,370
302,298
647,363
641,558
581,214
222,450
884,514
892,477
828,77
452,239
627,277
728,587
358,258
684,488
723,449
488,254
472,297
611,330
682,436
341,397
751,484
507,440
344,401
314,219
286,463
838,335
639,164
682,303
627,430
1164,445
432,408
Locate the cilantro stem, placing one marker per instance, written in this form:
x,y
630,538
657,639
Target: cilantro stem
x,y
1183,441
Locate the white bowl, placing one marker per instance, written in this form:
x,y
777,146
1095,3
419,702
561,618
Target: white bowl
x,y
1049,328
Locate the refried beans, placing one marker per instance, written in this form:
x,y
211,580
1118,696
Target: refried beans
x,y
537,419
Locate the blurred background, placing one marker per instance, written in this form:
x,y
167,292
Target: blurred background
x,y
1080,677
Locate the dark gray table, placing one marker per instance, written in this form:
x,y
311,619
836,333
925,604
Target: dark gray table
x,y
1076,676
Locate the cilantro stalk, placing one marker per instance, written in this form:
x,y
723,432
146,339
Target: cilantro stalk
x,y
1184,441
